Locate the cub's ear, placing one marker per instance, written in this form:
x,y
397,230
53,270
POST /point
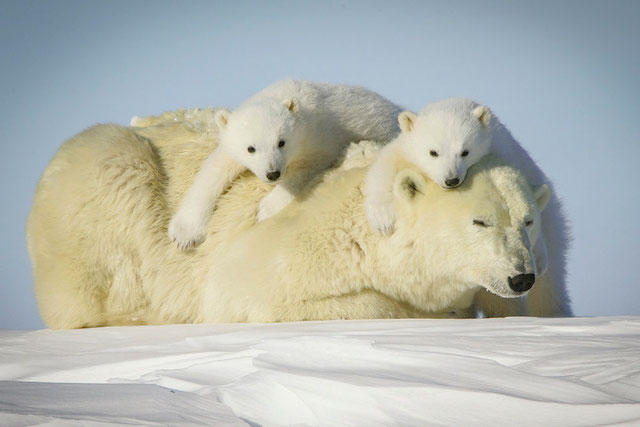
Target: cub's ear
x,y
406,120
483,114
542,194
222,118
409,184
291,104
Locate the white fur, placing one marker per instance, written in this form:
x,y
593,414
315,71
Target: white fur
x,y
97,239
449,128
316,121
135,121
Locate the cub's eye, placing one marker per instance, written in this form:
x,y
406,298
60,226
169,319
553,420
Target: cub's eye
x,y
433,153
480,223
281,143
465,153
251,149
528,222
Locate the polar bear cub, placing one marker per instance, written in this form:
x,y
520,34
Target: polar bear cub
x,y
443,140
286,134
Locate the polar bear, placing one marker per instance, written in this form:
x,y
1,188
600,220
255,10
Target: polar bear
x,y
97,239
443,141
201,119
286,134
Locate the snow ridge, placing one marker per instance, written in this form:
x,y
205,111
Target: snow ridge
x,y
529,371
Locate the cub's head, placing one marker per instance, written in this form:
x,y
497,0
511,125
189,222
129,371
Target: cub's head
x,y
263,137
446,138
483,233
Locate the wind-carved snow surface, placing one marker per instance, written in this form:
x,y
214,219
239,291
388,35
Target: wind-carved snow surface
x,y
481,372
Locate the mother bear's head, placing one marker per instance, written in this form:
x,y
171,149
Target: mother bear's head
x,y
482,233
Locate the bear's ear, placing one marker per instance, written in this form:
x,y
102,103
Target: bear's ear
x,y
483,114
406,120
222,118
408,184
542,194
291,104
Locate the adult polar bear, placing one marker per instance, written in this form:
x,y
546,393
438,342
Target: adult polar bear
x,y
443,141
97,239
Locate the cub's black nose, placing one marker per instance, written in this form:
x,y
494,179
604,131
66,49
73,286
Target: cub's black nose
x,y
522,282
272,176
452,182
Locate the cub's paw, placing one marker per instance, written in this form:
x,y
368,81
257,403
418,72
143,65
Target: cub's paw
x,y
273,203
186,233
381,217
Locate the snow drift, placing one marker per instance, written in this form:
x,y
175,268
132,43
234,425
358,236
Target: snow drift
x,y
524,371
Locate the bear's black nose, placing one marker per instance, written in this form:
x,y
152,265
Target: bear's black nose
x,y
272,176
452,182
522,282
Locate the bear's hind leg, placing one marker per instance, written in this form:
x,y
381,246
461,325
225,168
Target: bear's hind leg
x,y
71,299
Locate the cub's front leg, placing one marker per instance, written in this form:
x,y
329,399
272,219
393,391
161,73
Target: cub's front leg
x,y
188,227
294,183
278,199
378,190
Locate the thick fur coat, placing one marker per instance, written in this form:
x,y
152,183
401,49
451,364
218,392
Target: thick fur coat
x,y
286,134
443,141
97,236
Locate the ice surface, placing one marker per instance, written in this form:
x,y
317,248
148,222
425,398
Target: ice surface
x,y
515,371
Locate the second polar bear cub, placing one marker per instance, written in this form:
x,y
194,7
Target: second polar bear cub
x,y
285,134
443,140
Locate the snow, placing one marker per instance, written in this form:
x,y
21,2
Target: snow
x,y
514,371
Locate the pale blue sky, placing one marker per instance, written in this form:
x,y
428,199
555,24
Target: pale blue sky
x,y
562,75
